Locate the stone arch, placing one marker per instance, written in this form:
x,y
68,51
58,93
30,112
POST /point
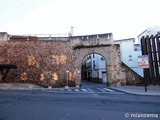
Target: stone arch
x,y
94,53
103,51
96,74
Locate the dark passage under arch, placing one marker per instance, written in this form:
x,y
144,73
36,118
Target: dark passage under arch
x,y
94,68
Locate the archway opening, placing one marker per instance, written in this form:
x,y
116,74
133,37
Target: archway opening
x,y
94,69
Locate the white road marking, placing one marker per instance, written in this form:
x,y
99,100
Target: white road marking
x,y
90,90
101,89
108,89
77,90
84,90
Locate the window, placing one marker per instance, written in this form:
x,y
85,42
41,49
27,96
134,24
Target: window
x,y
130,57
88,57
94,65
93,55
97,37
102,58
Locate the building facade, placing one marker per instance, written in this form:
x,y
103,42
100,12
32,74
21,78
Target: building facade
x,y
129,53
131,50
149,31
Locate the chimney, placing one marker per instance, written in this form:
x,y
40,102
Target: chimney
x,y
72,31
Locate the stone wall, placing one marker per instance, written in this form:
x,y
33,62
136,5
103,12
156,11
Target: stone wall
x,y
45,62
116,73
119,73
39,62
3,52
132,78
92,40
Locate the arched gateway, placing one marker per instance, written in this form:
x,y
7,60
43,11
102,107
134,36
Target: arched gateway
x,y
100,44
45,60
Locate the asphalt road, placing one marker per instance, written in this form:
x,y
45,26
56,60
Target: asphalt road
x,y
43,105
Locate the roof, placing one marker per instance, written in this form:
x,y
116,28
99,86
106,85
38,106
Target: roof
x,y
142,33
124,40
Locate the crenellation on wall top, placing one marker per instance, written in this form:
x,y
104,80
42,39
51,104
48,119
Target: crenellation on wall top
x,y
92,40
106,36
98,38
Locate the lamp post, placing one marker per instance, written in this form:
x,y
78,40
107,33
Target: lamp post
x,y
67,72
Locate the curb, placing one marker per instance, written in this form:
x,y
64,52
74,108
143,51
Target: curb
x,y
140,94
42,89
63,89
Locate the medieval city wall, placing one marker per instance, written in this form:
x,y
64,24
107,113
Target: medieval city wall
x,y
45,62
40,62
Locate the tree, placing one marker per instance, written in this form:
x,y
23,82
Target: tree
x,y
4,68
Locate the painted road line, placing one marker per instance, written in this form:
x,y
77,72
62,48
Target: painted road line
x,y
84,90
77,90
101,89
90,90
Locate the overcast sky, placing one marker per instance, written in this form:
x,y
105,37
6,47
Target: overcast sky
x,y
124,18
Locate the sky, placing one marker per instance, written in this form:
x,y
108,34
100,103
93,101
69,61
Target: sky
x,y
124,18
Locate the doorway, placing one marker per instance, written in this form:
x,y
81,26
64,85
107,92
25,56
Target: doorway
x,y
104,77
94,68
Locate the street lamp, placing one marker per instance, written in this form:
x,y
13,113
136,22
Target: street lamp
x,y
67,72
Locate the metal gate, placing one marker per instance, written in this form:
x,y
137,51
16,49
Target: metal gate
x,y
151,46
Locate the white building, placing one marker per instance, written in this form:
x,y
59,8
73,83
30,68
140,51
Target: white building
x,y
149,31
94,68
129,53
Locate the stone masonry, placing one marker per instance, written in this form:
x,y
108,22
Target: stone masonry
x,y
44,62
39,62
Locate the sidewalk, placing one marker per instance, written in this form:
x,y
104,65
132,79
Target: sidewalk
x,y
139,90
19,86
27,86
136,90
